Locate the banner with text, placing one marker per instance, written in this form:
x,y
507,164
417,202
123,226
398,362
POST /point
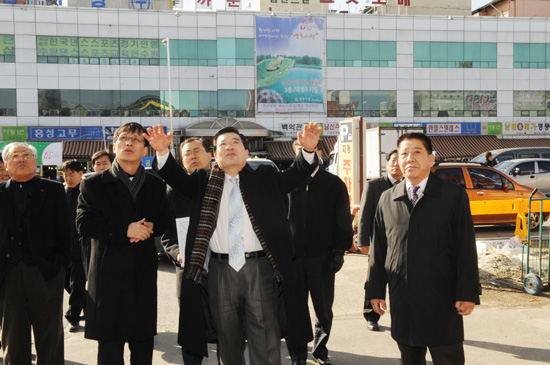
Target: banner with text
x,y
49,154
289,63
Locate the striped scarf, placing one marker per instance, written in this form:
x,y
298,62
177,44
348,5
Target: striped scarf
x,y
209,211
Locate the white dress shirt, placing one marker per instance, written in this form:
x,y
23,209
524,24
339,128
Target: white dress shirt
x,y
419,192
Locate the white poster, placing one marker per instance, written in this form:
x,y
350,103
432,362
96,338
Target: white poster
x,y
203,4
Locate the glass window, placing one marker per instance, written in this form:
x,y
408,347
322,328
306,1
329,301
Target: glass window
x,y
352,51
8,103
189,103
54,102
335,51
480,100
526,168
454,175
208,104
379,103
142,103
387,51
236,103
488,179
207,55
344,103
544,167
527,103
100,103
455,54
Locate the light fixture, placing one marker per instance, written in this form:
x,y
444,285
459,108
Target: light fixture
x,y
450,17
177,14
272,14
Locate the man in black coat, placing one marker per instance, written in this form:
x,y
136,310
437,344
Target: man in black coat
x,y
75,277
424,249
195,154
121,210
320,222
236,273
369,201
35,246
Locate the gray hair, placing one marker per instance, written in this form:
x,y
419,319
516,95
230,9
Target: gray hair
x,y
7,151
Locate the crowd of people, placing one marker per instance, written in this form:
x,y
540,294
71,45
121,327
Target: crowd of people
x,y
249,248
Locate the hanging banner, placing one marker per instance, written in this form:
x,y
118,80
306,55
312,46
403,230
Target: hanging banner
x,y
49,154
289,63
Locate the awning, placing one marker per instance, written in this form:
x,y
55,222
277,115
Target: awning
x,y
81,150
209,128
283,151
457,147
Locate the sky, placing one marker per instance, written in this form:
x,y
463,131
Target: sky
x,y
478,3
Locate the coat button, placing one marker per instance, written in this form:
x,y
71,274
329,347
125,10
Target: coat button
x,y
8,255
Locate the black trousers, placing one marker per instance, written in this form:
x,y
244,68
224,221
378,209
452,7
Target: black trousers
x,y
75,285
441,355
368,312
319,283
31,301
112,352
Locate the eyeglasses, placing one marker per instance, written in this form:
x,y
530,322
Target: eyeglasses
x,y
125,139
21,156
192,153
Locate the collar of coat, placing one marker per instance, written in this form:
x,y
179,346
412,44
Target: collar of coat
x,y
434,188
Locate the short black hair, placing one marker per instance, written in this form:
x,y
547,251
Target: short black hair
x,y
426,141
204,142
72,165
131,127
230,130
100,154
388,156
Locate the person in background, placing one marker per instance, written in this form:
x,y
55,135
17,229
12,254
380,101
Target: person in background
x,y
121,210
320,222
195,154
75,278
4,174
424,250
35,245
369,201
489,161
102,160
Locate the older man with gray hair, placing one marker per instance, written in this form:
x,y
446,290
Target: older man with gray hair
x,y
35,239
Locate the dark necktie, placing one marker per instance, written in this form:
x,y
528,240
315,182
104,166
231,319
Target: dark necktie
x,y
414,191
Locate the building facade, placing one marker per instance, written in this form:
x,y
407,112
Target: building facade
x,y
88,68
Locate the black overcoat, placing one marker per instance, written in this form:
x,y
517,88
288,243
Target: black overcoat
x,y
427,256
369,201
122,281
265,191
49,230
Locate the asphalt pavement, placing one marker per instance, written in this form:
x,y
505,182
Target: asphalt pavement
x,y
494,335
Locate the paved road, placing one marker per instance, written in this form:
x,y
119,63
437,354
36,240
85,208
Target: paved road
x,y
494,335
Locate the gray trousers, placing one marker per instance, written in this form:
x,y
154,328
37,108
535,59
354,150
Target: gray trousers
x,y
29,300
244,306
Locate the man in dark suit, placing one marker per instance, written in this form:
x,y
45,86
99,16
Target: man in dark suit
x,y
251,262
195,154
320,223
75,277
424,248
35,247
121,210
369,201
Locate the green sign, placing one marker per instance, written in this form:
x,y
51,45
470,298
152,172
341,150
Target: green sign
x,y
7,45
385,124
494,128
14,133
98,47
139,48
57,46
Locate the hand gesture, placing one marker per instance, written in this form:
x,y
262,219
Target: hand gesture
x,y
159,140
139,231
309,138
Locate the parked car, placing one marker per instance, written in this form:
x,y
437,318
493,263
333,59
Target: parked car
x,y
486,183
505,154
253,162
531,172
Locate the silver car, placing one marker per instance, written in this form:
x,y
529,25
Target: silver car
x,y
531,172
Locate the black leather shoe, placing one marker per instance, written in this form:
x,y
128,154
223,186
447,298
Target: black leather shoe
x,y
75,326
299,362
373,326
325,361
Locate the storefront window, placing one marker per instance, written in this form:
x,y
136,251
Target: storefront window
x,y
8,103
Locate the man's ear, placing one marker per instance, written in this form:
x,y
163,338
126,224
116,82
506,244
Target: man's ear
x,y
246,153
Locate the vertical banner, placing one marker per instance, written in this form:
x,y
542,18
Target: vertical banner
x,y
289,63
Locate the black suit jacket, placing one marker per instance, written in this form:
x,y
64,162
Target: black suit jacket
x,y
427,255
265,191
369,201
49,227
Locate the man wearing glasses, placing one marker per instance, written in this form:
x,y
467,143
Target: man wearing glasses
x,y
121,210
35,244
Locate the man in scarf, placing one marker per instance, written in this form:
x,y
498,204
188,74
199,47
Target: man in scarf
x,y
121,210
240,214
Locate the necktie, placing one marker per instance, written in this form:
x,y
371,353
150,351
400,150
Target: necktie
x,y
414,190
236,242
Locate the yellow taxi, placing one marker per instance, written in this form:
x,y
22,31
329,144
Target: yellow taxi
x,y
483,183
